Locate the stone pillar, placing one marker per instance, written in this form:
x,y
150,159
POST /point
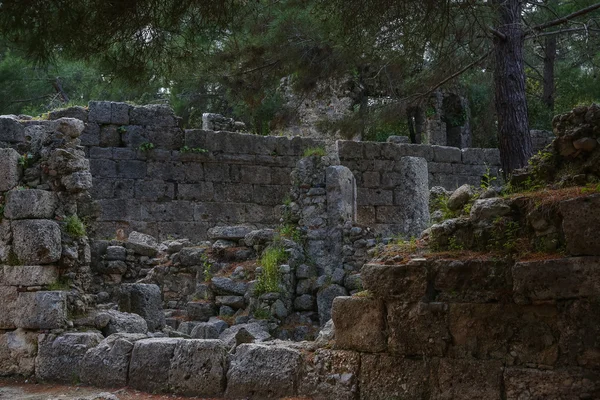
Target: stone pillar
x,y
411,196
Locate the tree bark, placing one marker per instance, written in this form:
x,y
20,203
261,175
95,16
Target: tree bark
x,y
509,80
549,59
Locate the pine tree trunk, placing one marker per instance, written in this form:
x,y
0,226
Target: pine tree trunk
x,y
549,58
509,79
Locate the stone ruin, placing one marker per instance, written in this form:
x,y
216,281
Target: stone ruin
x,y
131,255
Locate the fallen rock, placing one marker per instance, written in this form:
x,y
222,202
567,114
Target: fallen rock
x,y
460,197
236,232
257,331
142,244
122,322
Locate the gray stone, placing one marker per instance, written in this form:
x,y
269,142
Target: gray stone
x,y
119,113
398,139
144,300
29,275
32,203
41,310
235,302
116,253
580,223
9,296
227,286
107,364
305,271
99,112
200,310
338,276
460,197
230,232
198,368
259,237
9,165
331,375
226,311
411,197
156,115
263,371
279,310
341,195
353,282
258,332
77,181
70,127
18,350
222,244
305,302
142,244
76,112
59,357
304,286
325,298
11,130
122,322
204,330
190,256
489,209
150,364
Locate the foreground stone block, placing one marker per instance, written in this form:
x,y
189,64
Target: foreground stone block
x,y
59,357
580,225
29,275
518,334
198,368
406,282
144,300
41,310
32,203
142,244
11,171
36,241
563,278
150,364
107,364
466,379
579,333
330,375
8,304
411,195
360,324
564,384
384,377
418,329
18,350
263,371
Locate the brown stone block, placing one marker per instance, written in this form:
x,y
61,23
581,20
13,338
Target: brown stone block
x,y
580,225
359,324
466,379
330,374
418,329
579,332
563,384
406,282
516,334
384,377
563,278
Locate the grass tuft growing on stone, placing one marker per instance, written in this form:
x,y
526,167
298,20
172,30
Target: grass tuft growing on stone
x,y
315,151
268,280
74,226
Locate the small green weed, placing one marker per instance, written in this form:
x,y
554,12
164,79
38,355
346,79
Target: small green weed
x,y
588,189
315,151
206,268
60,284
146,146
262,313
122,130
25,159
1,212
13,259
197,150
74,226
454,244
268,280
290,231
487,179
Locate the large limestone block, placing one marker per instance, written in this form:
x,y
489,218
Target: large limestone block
x,y
18,350
198,368
122,322
383,377
150,364
107,364
10,171
59,357
360,324
341,195
144,300
580,224
8,306
41,310
29,275
236,232
330,375
466,379
11,131
406,282
563,278
411,196
37,241
563,384
263,371
579,333
142,244
258,333
325,299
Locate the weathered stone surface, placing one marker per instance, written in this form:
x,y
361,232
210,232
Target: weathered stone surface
x,y
144,300
384,377
9,165
580,223
488,209
99,111
77,181
407,282
325,298
263,371
235,302
579,333
156,114
37,241
236,232
411,196
517,334
18,350
466,379
41,310
418,329
460,197
190,256
198,368
341,195
563,278
142,244
29,275
204,330
330,375
70,127
31,203
360,324
227,286
122,322
9,296
107,364
305,302
256,332
200,310
59,357
259,237
560,384
116,253
150,364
